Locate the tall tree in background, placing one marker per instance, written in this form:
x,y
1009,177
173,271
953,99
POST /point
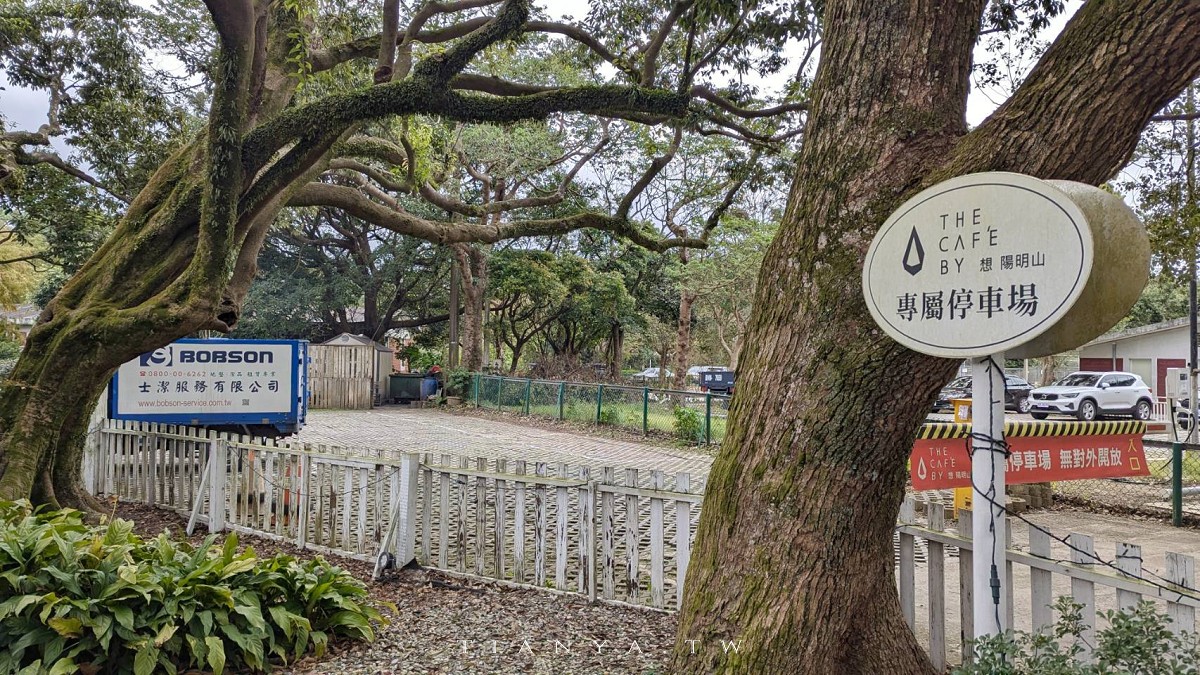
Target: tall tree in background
x,y
722,280
794,552
323,272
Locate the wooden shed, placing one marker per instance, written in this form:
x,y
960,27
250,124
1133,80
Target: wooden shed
x,y
349,372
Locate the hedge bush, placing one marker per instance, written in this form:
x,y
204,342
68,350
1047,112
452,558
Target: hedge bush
x,y
81,598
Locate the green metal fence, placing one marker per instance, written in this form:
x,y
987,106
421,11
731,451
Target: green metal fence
x,y
688,416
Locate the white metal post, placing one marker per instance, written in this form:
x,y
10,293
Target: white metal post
x,y
988,517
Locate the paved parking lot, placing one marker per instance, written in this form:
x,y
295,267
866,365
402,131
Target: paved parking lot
x,y
403,429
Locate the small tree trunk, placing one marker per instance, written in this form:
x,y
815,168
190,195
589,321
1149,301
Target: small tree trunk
x,y
614,350
735,353
683,338
472,265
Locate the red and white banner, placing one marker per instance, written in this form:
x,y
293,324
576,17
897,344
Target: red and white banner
x,y
938,464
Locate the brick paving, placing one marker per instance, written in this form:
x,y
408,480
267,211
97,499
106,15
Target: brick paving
x,y
403,429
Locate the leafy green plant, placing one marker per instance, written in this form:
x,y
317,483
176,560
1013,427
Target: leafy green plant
x,y
689,425
75,597
610,416
1138,641
458,382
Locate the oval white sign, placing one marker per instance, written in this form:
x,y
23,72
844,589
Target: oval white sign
x,y
977,265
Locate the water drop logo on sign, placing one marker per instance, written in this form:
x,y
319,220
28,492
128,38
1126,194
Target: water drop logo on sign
x,y
977,264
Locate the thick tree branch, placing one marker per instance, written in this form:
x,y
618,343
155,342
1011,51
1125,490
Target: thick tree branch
x,y
495,85
387,43
1139,53
439,69
384,179
654,47
211,265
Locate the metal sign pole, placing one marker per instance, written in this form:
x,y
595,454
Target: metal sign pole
x,y
988,463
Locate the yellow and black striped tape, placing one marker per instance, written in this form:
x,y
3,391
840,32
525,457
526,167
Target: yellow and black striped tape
x,y
1064,428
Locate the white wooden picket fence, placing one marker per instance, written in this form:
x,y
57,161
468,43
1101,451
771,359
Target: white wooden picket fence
x,y
616,535
1046,570
608,534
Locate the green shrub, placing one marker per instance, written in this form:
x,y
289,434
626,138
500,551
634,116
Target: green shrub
x,y
689,424
458,382
610,416
74,597
1133,642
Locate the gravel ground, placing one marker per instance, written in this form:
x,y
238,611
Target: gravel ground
x,y
446,624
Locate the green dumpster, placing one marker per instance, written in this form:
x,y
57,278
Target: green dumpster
x,y
404,387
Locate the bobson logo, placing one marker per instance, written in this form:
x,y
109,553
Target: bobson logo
x,y
166,356
163,356
230,356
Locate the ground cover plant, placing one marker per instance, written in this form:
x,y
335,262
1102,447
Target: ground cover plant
x,y
87,598
1136,641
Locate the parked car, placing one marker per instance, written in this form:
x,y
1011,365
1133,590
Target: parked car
x,y
651,375
1091,395
1016,393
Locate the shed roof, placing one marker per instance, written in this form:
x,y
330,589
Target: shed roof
x,y
1117,336
350,339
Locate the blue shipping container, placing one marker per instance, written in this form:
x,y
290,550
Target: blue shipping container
x,y
256,385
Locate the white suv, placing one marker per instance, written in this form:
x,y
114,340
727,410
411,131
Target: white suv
x,y
1090,395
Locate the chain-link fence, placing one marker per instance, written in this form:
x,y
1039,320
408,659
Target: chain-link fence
x,y
687,416
1172,488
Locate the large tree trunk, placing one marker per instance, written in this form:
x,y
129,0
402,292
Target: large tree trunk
x,y
793,557
794,554
111,311
180,260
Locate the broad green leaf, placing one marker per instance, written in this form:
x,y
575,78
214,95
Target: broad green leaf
x,y
13,606
230,548
238,566
64,666
216,654
165,634
145,660
66,627
123,615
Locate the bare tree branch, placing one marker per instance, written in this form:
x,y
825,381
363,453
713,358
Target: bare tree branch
x,y
745,113
32,158
651,52
496,85
1182,117
358,205
652,171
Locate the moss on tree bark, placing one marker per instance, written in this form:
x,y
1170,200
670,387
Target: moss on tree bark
x,y
794,558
